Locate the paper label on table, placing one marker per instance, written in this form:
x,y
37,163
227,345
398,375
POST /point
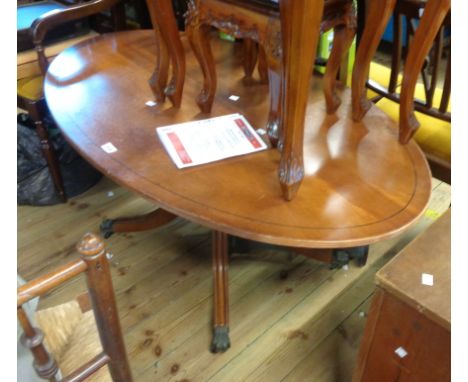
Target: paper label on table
x,y
427,279
109,148
209,140
401,352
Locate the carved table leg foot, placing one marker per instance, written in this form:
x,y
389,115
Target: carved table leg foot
x,y
199,38
377,18
221,296
291,173
145,222
220,342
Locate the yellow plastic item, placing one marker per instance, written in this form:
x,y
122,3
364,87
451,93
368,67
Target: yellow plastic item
x,y
30,87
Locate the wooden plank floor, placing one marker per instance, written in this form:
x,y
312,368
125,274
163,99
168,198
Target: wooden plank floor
x,y
305,327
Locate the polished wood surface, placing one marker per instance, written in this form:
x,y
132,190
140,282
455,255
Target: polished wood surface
x,y
410,315
360,184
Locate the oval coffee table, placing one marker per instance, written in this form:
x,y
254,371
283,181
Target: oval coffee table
x,y
360,184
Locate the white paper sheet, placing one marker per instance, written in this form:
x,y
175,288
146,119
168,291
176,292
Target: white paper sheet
x,y
209,140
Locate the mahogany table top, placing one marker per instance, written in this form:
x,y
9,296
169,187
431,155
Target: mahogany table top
x,y
361,185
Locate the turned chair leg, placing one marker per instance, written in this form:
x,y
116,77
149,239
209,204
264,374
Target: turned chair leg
x,y
250,55
198,36
377,18
433,17
342,39
220,342
36,110
158,80
152,220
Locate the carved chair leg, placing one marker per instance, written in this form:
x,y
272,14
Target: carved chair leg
x,y
342,39
220,342
152,220
377,18
250,55
199,38
158,80
164,18
262,65
35,111
432,19
300,26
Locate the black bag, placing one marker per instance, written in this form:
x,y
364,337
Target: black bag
x,y
34,181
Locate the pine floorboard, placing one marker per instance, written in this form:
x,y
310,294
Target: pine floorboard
x,y
305,327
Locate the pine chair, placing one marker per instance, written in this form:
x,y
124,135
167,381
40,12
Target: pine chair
x,y
94,264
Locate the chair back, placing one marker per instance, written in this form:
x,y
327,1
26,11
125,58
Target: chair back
x,y
435,97
94,264
53,18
